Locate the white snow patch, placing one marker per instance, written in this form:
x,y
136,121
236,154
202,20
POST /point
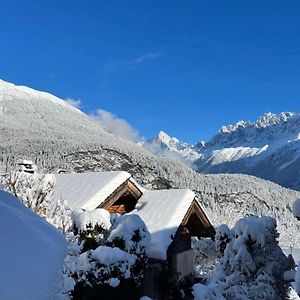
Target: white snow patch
x,y
32,253
125,226
111,256
86,219
233,154
257,228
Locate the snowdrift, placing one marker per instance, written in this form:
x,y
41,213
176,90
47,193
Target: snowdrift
x,y
32,253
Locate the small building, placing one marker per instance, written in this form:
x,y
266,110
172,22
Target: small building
x,y
115,191
27,166
172,217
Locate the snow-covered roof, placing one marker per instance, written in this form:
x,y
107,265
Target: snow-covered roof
x,y
26,162
163,211
32,253
87,190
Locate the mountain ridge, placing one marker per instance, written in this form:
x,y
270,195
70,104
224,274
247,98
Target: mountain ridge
x,y
268,148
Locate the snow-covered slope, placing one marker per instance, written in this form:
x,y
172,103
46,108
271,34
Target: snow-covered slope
x,y
268,148
32,253
36,120
57,136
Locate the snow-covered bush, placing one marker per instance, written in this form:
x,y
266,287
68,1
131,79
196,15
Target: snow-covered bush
x,y
34,190
222,238
104,257
105,265
69,276
89,231
90,223
130,234
252,266
91,227
59,215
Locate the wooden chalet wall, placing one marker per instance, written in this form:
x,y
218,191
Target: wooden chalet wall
x,y
195,223
123,199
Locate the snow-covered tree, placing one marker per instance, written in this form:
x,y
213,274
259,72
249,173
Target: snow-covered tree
x,y
59,215
252,266
222,238
105,255
69,277
34,190
129,233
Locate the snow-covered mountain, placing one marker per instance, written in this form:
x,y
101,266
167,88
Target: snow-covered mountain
x,y
44,128
268,148
165,145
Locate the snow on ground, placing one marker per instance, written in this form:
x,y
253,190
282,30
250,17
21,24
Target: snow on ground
x,y
87,190
32,253
162,218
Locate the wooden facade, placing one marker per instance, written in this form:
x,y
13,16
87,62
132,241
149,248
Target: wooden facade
x,y
194,224
180,255
123,199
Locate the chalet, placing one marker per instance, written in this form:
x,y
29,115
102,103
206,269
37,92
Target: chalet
x,y
115,191
172,216
27,166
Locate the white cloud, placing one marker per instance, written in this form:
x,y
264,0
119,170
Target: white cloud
x,y
117,126
76,103
142,58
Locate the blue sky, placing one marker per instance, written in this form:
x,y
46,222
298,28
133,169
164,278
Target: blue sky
x,y
185,67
